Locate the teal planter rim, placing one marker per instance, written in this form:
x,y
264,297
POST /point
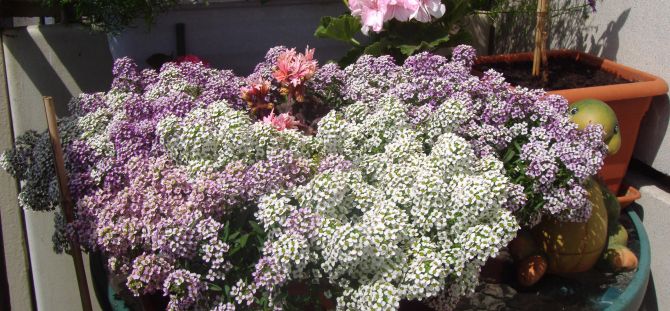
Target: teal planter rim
x,y
632,296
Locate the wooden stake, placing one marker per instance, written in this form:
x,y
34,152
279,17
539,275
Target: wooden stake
x,y
66,201
545,60
540,36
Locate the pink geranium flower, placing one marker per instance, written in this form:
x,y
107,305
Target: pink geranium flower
x,y
428,9
293,69
256,92
401,10
281,122
374,13
190,58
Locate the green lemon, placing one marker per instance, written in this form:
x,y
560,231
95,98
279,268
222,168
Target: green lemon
x,y
592,111
614,144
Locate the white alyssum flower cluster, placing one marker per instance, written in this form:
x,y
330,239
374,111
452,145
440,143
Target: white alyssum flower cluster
x,y
211,137
415,216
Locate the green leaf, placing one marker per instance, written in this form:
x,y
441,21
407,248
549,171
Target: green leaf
x,y
262,300
351,56
226,231
411,49
255,227
243,240
509,155
239,244
214,287
377,48
342,28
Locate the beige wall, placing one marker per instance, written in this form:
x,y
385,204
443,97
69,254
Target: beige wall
x,y
60,61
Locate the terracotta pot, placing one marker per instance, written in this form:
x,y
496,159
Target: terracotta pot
x,y
630,101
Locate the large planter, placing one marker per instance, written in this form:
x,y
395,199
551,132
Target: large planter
x,y
630,101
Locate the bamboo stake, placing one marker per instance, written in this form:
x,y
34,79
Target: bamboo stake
x,y
543,53
540,36
66,201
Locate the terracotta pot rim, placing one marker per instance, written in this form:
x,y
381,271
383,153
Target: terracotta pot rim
x,y
645,84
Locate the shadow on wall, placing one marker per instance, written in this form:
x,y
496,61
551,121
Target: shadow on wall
x,y
607,45
570,29
60,61
653,129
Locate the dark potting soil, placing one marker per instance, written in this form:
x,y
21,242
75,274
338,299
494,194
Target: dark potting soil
x,y
564,73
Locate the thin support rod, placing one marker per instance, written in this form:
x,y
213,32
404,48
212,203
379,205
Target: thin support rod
x,y
66,201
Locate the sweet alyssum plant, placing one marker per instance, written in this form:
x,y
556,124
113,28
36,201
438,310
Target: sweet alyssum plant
x,y
375,183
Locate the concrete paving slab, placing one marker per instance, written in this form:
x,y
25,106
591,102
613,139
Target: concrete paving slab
x,y
655,208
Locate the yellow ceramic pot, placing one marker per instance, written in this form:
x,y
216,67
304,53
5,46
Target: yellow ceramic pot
x,y
575,247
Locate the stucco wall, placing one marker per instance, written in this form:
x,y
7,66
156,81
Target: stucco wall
x,y
60,61
633,33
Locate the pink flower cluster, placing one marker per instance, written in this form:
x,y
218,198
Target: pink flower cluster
x,y
293,69
256,96
190,58
282,121
374,13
